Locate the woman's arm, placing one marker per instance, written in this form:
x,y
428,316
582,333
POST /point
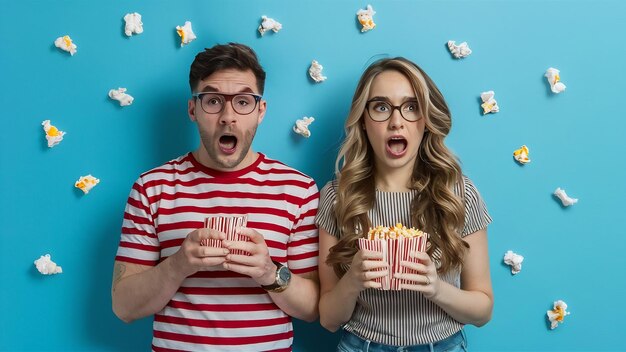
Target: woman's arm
x,y
473,302
338,296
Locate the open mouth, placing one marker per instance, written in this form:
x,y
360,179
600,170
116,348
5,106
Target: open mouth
x,y
228,143
397,145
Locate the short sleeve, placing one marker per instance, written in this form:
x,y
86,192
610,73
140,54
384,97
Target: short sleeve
x,y
303,244
476,215
138,243
326,218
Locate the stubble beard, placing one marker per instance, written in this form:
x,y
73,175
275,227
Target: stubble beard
x,y
221,161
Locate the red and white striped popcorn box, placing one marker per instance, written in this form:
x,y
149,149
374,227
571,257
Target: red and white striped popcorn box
x,y
228,225
395,251
405,247
394,263
378,246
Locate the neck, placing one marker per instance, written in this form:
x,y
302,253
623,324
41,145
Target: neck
x,y
395,180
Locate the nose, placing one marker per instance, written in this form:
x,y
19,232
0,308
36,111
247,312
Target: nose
x,y
228,114
396,121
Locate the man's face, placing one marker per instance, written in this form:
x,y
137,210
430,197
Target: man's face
x,y
226,136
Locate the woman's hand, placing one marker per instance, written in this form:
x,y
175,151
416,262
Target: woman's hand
x,y
367,266
426,280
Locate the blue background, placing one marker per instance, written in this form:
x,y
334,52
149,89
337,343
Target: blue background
x,y
575,139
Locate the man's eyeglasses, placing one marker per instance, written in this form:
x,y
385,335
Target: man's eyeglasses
x,y
381,110
242,103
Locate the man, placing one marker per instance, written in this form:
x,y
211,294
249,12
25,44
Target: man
x,y
208,298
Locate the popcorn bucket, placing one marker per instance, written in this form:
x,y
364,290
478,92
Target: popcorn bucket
x,y
228,225
395,251
405,247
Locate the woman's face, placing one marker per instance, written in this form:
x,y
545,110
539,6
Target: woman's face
x,y
395,141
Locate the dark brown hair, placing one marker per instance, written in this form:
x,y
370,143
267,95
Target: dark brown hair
x,y
226,56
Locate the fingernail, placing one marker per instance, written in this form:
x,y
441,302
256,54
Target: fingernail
x,y
226,251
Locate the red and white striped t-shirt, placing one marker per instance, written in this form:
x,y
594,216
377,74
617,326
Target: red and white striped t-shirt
x,y
220,310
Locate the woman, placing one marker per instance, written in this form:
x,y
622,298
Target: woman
x,y
393,167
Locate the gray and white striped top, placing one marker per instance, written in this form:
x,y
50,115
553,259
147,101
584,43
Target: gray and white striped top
x,y
402,318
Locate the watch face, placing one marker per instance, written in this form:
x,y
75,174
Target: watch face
x,y
284,275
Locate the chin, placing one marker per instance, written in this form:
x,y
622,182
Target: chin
x,y
229,162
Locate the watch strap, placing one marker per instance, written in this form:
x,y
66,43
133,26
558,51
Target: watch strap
x,y
275,286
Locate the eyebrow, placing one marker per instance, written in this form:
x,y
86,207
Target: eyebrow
x,y
212,89
404,99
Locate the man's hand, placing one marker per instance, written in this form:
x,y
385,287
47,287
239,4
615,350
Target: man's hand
x,y
192,257
258,265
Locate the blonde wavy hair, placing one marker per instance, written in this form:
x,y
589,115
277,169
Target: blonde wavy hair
x,y
435,208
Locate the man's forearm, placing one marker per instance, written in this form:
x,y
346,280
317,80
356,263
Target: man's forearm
x,y
300,299
144,293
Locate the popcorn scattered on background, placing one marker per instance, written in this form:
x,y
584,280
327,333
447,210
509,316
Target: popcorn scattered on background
x,y
514,260
46,266
489,105
86,183
552,74
459,51
65,43
366,18
53,135
567,201
186,33
302,126
121,96
521,155
557,314
269,24
133,24
315,71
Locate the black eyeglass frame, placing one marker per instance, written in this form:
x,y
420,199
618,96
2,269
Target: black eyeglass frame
x,y
392,107
227,98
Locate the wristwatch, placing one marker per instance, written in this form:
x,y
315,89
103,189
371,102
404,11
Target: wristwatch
x,y
283,277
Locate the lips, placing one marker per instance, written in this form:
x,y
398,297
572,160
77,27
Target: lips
x,y
397,145
228,143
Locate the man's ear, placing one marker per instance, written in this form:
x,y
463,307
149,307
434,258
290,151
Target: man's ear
x,y
262,110
191,109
